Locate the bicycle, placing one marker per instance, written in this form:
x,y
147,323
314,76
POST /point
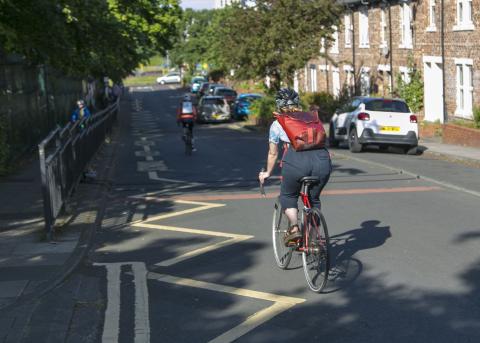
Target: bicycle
x,y
314,244
188,139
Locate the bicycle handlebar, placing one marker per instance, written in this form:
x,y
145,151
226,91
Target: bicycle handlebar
x,y
262,188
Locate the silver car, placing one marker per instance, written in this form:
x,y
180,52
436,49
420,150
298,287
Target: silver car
x,y
213,109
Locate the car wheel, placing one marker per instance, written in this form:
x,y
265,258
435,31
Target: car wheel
x,y
411,150
162,82
332,142
353,143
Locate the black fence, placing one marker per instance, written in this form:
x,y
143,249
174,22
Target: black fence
x,y
64,156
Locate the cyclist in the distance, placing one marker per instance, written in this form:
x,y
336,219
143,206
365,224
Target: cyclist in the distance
x,y
187,115
295,165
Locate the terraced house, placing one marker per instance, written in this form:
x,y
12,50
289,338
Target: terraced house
x,y
377,39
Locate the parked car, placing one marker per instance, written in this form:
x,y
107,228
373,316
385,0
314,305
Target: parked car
x,y
242,104
229,94
172,77
375,121
212,86
203,89
196,83
213,108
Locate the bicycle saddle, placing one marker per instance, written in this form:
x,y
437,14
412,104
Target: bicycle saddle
x,y
310,180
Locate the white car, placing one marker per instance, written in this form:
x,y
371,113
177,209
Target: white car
x,y
375,121
172,77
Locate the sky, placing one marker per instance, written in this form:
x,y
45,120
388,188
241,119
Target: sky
x,y
198,4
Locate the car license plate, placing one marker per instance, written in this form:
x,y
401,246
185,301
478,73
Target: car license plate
x,y
390,128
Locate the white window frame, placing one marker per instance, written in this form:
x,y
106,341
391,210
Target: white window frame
x,y
364,41
405,74
334,47
464,16
383,28
386,70
464,87
432,16
305,78
349,78
406,32
348,30
313,78
336,91
365,71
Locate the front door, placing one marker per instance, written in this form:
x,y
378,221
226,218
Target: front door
x,y
433,94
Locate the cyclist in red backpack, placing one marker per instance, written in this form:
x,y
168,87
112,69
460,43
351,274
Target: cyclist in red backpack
x,y
187,115
295,164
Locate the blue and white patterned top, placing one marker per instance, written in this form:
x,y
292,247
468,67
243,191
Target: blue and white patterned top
x,y
277,133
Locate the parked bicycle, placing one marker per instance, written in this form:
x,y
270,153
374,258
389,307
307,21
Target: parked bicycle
x,y
314,243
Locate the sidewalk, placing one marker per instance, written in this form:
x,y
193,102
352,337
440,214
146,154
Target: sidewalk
x,y
30,265
450,152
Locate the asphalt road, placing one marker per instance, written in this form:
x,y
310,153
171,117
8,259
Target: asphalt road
x,y
183,253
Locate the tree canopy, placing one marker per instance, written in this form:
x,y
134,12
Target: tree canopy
x,y
89,37
273,38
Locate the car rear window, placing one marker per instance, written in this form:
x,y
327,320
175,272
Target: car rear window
x,y
213,102
227,92
387,106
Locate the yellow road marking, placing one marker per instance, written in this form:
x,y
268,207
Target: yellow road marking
x,y
280,304
233,238
194,231
225,289
252,322
193,253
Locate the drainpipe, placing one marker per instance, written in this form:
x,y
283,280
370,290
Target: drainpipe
x,y
442,42
390,46
353,55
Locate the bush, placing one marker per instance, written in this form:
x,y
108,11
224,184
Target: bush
x,y
476,117
262,110
326,103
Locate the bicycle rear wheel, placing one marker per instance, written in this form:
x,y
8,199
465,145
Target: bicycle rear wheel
x,y
315,257
283,254
188,144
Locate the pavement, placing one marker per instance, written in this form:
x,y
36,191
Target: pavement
x,y
30,265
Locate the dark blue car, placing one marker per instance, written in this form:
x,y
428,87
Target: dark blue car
x,y
242,104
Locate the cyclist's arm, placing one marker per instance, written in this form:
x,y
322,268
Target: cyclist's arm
x,y
272,157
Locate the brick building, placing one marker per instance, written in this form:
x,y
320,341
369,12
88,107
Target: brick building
x,y
377,39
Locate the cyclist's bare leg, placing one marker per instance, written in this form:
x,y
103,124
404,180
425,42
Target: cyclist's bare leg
x,y
292,215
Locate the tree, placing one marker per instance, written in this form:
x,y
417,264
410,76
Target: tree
x,y
194,38
274,38
88,37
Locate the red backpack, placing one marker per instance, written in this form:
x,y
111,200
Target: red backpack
x,y
304,130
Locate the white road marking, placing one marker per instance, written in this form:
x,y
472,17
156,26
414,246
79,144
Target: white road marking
x,y
111,327
142,315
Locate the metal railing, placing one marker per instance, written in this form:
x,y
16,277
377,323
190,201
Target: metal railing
x,y
64,155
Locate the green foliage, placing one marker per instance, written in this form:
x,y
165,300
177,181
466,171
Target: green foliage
x,y
263,108
95,38
274,38
325,102
476,116
411,92
4,148
216,75
193,39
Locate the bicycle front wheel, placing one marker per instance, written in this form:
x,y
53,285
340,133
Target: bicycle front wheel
x,y
315,257
283,254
